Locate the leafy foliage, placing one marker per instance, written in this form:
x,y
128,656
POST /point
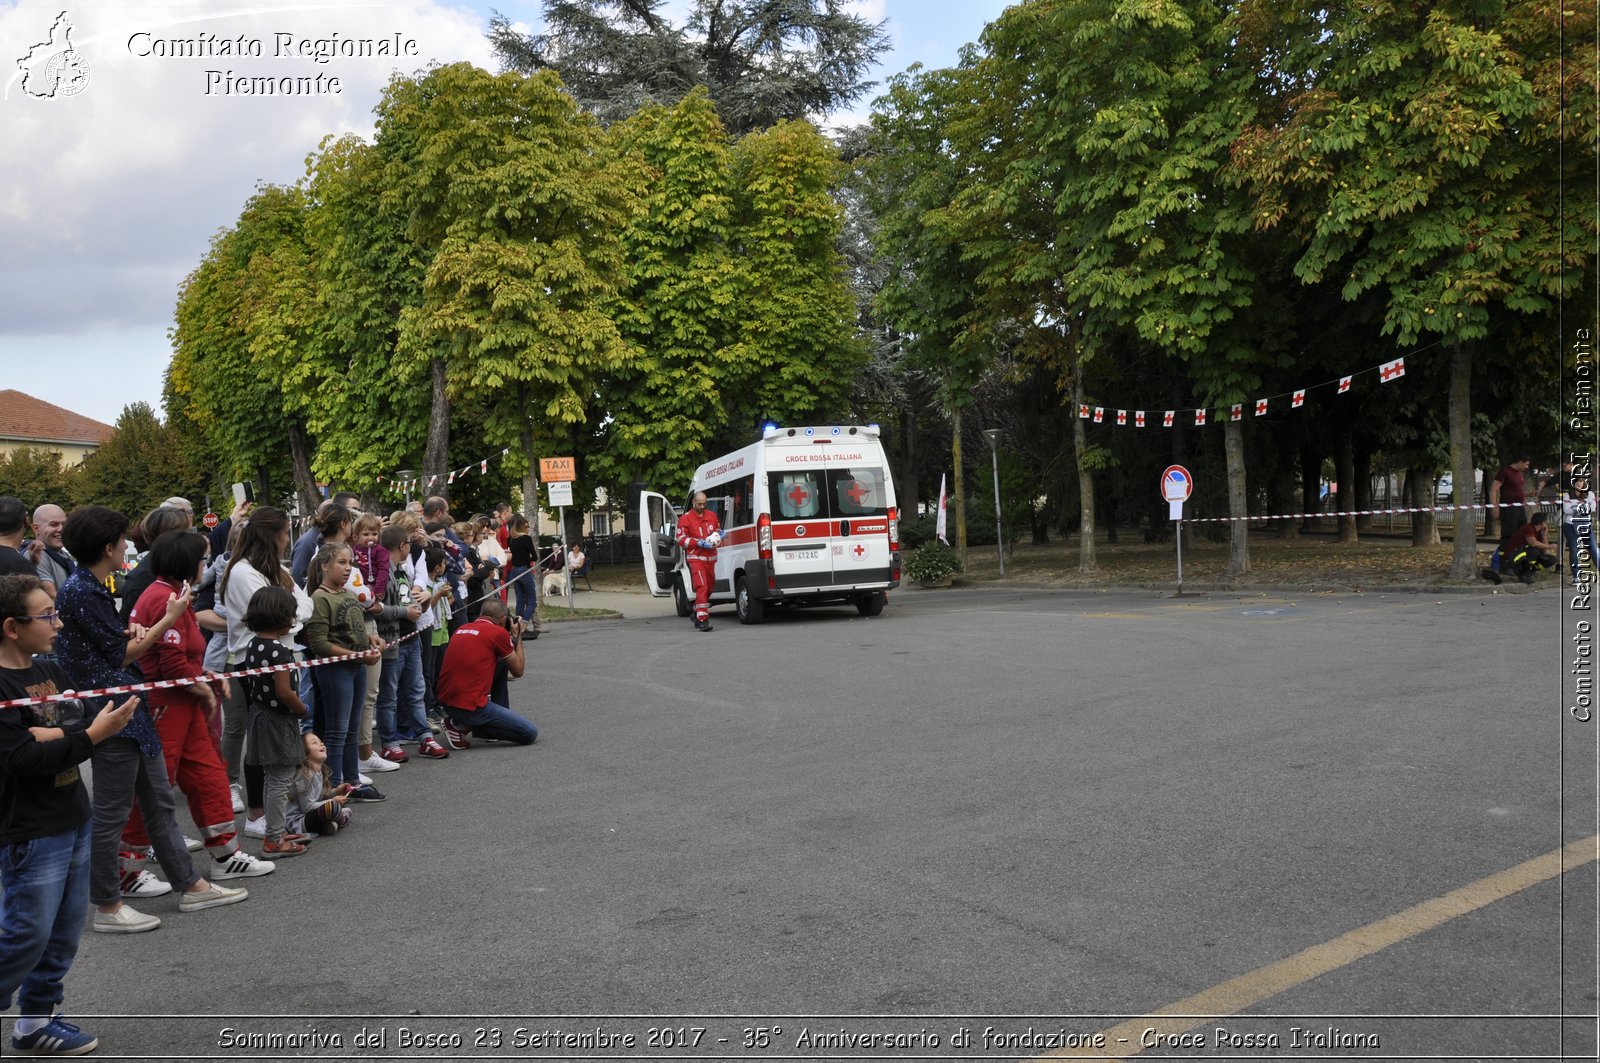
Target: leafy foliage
x,y
933,560
762,61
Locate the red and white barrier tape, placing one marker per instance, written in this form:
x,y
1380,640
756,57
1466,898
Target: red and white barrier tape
x,y
170,684
1347,513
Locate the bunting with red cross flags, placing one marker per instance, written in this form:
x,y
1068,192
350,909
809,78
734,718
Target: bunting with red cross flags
x,y
1386,372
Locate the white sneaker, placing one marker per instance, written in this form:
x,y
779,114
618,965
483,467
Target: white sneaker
x,y
214,897
124,921
366,780
238,796
144,884
195,844
255,828
377,763
240,865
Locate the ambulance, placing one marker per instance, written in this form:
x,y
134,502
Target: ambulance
x,y
808,518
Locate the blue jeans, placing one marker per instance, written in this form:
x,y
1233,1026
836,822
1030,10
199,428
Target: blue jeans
x,y
341,692
402,682
524,589
495,721
46,884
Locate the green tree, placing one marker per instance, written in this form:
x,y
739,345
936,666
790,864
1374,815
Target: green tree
x,y
36,475
1419,152
137,466
1118,118
680,301
795,351
761,60
513,192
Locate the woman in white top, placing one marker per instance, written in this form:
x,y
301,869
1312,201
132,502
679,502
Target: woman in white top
x,y
257,561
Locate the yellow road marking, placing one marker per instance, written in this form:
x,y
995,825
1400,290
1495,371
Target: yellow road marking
x,y
1236,994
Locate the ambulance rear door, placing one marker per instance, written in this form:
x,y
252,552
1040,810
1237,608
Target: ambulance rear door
x,y
658,522
802,546
859,498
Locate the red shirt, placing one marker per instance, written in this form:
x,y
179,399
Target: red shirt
x,y
1522,537
467,672
1512,488
178,654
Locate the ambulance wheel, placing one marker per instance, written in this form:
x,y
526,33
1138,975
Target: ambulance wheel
x,y
872,604
751,609
681,600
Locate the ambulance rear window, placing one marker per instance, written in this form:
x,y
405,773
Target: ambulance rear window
x,y
857,492
796,495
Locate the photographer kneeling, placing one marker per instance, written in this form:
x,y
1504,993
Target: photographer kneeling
x,y
468,673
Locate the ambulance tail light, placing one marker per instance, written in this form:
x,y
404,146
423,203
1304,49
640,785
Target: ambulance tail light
x,y
894,529
764,536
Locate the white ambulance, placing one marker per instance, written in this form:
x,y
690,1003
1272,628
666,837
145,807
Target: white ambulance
x,y
808,517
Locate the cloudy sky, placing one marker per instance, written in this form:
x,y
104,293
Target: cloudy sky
x,y
109,196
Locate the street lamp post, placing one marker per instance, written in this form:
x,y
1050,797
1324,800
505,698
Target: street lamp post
x,y
404,476
993,435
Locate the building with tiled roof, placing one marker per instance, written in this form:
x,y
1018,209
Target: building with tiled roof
x,y
29,422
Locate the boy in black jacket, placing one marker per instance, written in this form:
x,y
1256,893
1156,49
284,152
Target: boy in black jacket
x,y
44,821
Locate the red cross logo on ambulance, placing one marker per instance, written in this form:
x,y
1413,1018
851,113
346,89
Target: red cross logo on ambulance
x,y
799,497
856,491
860,551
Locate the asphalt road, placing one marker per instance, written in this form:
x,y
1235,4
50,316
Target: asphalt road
x,y
1069,808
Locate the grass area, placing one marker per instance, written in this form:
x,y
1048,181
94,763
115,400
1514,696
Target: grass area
x,y
554,614
1307,561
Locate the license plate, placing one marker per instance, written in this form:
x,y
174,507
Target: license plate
x,y
804,555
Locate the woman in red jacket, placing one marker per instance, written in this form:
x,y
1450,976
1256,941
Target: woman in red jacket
x,y
177,559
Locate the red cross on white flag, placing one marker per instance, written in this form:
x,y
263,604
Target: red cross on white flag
x,y
1261,407
1299,399
1344,384
1390,370
1138,418
1122,417
1083,412
1166,419
1099,414
483,466
1236,411
452,478
1199,417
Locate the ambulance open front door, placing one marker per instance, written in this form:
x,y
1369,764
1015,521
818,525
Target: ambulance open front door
x,y
658,522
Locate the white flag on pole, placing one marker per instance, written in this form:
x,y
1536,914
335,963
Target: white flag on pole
x,y
939,526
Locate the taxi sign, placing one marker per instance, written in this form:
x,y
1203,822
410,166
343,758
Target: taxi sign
x,y
556,470
1176,483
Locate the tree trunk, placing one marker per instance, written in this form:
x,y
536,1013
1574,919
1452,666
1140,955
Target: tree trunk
x,y
960,486
911,466
1362,495
1419,483
1282,499
1345,464
1464,561
305,485
530,474
1238,499
436,458
1086,558
1491,516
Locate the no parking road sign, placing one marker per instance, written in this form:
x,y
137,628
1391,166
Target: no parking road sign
x,y
1176,484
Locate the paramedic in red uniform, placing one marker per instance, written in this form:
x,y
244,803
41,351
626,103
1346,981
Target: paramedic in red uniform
x,y
698,534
